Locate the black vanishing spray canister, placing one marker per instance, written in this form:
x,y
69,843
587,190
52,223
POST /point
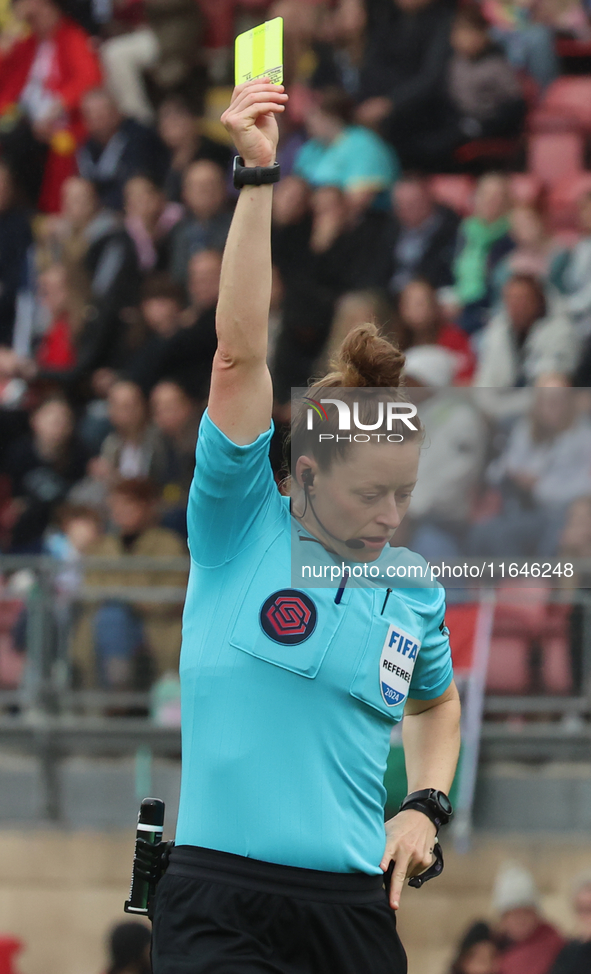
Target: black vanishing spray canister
x,y
150,825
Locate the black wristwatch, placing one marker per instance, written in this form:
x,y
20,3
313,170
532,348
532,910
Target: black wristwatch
x,y
254,175
434,804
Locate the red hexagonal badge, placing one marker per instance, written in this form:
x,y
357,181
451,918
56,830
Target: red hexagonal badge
x,y
288,616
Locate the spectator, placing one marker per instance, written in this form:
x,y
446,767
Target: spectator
x,y
338,47
102,270
484,240
149,220
417,240
203,285
42,465
575,541
534,249
292,227
46,74
57,352
451,464
161,304
93,488
528,41
93,424
134,448
484,91
421,322
341,154
334,252
353,309
176,415
162,41
571,272
575,958
402,87
129,948
532,944
543,468
130,51
342,238
526,339
75,530
123,643
179,129
187,355
207,222
117,149
94,244
15,239
477,953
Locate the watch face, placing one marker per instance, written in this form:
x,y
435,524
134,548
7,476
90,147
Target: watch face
x,y
444,802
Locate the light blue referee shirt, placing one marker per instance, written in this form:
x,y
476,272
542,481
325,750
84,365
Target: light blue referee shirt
x,y
289,697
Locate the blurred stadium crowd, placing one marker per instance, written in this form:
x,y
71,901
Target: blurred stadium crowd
x,y
433,160
436,178
520,939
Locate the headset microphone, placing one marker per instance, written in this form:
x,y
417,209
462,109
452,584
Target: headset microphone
x,y
308,480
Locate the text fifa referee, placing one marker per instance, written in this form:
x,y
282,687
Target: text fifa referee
x,y
281,846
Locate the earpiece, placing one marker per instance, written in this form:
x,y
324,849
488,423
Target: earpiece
x,y
308,480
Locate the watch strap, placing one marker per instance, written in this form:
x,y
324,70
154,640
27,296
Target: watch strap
x,y
426,801
254,175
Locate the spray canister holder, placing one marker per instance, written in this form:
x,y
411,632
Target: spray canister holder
x,y
148,856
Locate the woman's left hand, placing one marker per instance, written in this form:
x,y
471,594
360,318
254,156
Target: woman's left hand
x,y
410,837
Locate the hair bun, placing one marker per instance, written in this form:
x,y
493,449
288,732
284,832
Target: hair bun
x,y
366,359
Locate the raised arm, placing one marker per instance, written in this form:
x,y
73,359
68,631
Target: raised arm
x,y
241,396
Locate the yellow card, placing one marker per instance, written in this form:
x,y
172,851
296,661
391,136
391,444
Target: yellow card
x,y
259,53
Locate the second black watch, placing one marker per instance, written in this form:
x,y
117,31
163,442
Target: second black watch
x,y
434,804
254,175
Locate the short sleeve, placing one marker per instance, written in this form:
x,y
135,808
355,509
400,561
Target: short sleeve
x,y
234,500
433,671
370,163
308,159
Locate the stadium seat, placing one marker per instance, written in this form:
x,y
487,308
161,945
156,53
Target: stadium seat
x,y
526,188
521,611
557,619
489,153
556,663
508,665
572,47
530,89
556,669
461,621
566,104
563,198
574,54
11,662
9,946
555,155
525,618
455,191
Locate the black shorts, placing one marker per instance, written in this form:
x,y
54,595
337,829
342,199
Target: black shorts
x,y
217,913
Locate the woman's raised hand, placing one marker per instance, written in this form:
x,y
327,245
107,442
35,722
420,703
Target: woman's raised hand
x,y
250,120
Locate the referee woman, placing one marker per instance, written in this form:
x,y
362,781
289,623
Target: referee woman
x,y
281,847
